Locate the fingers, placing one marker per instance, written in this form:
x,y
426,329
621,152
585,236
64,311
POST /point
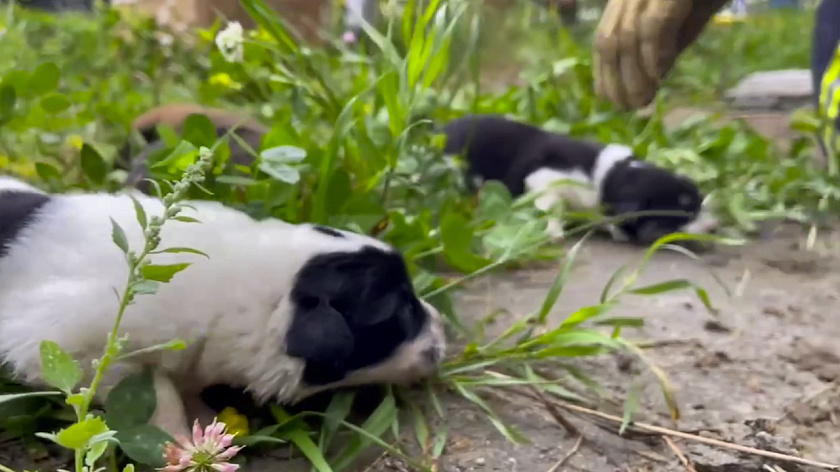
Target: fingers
x,y
636,44
606,55
659,29
639,86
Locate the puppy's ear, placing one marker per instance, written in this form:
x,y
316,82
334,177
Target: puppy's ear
x,y
319,334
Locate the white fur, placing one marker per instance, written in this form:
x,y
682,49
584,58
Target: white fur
x,y
12,184
59,278
587,197
584,194
611,155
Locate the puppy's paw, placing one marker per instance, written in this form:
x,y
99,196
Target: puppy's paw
x,y
169,413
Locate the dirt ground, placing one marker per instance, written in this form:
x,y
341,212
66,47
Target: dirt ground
x,y
770,359
763,373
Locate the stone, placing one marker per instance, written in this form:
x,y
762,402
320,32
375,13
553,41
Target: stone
x,y
773,90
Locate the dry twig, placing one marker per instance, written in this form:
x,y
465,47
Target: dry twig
x,y
700,439
679,454
568,456
557,415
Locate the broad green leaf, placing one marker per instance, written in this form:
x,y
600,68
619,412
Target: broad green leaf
x,y
284,154
146,287
199,130
131,402
144,444
98,445
280,172
457,238
8,99
44,79
118,236
494,201
140,213
58,368
55,103
94,166
177,250
163,273
77,435
184,150
47,172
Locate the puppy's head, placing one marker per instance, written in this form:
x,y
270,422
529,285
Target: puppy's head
x,y
633,186
356,320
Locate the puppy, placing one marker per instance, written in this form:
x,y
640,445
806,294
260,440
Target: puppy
x,y
283,311
175,115
528,159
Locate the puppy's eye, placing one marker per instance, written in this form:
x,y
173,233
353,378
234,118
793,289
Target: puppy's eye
x,y
685,200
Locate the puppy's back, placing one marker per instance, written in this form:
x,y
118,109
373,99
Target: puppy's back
x,y
175,114
493,146
19,207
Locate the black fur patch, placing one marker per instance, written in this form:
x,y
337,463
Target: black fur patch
x,y
497,148
352,310
630,189
328,231
500,149
17,209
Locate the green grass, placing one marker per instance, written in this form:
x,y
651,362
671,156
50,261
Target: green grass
x,y
351,146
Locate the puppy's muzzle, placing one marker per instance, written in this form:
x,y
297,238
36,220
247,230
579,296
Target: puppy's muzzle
x,y
432,354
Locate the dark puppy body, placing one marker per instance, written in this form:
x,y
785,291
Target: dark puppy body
x,y
526,158
175,115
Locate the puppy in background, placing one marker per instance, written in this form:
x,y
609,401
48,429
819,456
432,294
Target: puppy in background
x,y
528,159
283,311
175,115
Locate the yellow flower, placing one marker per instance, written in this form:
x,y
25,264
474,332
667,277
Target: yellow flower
x,y
237,424
727,18
262,34
75,140
224,79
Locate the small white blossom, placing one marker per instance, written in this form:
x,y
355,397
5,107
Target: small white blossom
x,y
230,41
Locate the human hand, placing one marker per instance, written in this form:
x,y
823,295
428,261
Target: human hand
x,y
637,43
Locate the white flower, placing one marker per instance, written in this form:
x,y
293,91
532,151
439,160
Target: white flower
x,y
229,41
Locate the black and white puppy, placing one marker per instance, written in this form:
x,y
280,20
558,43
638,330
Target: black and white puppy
x,y
528,159
283,311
